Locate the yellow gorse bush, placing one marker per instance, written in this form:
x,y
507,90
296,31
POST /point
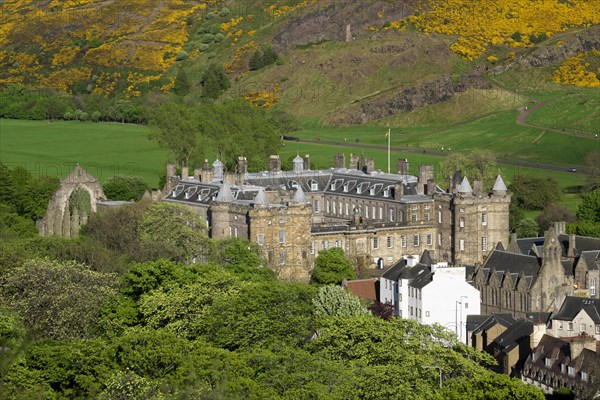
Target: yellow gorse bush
x,y
515,23
575,71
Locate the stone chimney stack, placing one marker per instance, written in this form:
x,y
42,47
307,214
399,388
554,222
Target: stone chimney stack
x,y
274,163
578,343
242,166
353,161
307,162
539,330
207,172
430,187
185,172
402,166
171,170
398,191
572,251
560,227
477,187
340,160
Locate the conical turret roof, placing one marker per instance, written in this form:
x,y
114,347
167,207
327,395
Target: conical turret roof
x,y
499,185
225,195
261,199
299,197
465,186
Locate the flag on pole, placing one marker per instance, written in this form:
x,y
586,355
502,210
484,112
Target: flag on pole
x,y
387,133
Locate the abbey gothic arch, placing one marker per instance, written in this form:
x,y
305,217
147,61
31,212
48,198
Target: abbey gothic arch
x,y
71,204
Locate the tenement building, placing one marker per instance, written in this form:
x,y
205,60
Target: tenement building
x,y
377,218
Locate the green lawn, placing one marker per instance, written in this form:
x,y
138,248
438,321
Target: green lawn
x,y
104,149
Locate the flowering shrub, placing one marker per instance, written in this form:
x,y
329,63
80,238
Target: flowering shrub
x,y
515,23
575,71
261,99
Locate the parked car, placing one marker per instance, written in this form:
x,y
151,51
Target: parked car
x,y
572,169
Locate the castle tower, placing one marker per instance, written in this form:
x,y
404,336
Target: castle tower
x,y
219,213
480,222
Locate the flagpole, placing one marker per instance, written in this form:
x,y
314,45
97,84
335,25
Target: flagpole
x,y
389,135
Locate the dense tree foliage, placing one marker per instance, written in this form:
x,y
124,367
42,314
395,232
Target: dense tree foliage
x,y
125,188
527,228
592,168
214,81
534,193
335,301
553,213
262,57
478,164
229,130
332,267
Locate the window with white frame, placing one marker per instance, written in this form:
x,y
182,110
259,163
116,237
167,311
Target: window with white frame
x,y
282,257
260,239
592,286
367,212
427,313
373,214
570,326
392,214
439,239
461,209
390,242
597,329
484,219
338,243
484,243
314,185
311,247
584,376
325,244
440,217
413,217
327,206
375,242
333,203
426,217
380,212
461,244
548,362
416,240
341,209
281,236
403,241
414,208
427,206
429,239
230,231
317,205
461,222
582,327
571,370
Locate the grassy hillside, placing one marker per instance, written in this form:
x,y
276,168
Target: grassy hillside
x,y
104,149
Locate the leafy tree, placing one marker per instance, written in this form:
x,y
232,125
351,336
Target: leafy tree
x,y
332,267
182,83
127,385
125,188
263,57
553,213
12,225
335,301
60,300
263,314
589,208
384,311
592,168
12,338
174,127
492,386
284,122
243,258
534,193
527,228
214,81
178,226
478,164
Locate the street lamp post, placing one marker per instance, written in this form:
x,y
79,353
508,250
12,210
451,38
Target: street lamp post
x,y
458,326
435,366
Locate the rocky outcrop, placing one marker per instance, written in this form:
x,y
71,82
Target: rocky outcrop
x,y
410,98
338,20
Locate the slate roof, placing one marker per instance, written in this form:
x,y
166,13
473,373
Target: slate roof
x,y
491,320
510,338
582,244
538,317
506,263
393,272
572,305
591,258
473,321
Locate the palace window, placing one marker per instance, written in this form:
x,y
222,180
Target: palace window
x,y
461,222
439,239
392,213
317,206
484,243
381,213
325,244
416,240
429,239
311,247
461,245
592,286
403,241
426,217
338,243
570,326
571,371
484,219
413,217
260,239
375,242
440,217
281,236
390,242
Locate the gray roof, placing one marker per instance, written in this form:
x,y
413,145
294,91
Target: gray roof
x,y
261,199
513,335
499,185
505,262
491,320
225,195
572,306
465,186
299,197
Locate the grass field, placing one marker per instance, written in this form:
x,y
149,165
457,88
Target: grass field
x,y
104,149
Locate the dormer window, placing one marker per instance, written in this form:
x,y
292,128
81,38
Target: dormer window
x,y
548,362
562,368
314,185
584,376
571,371
387,191
362,187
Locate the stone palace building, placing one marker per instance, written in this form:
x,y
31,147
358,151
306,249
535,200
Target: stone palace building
x,y
375,217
